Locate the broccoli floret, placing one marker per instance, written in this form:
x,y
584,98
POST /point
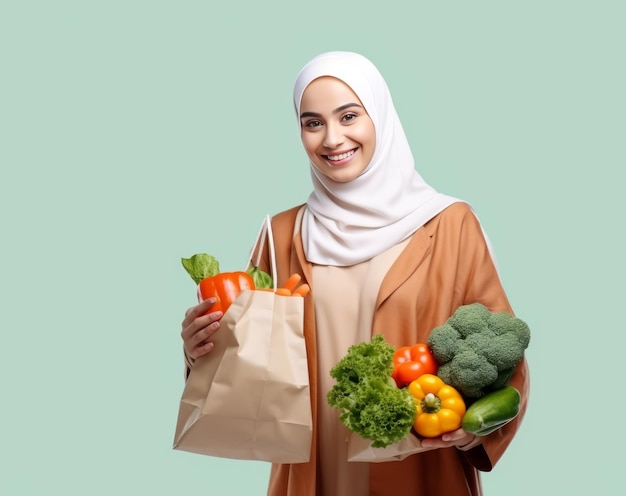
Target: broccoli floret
x,y
444,342
371,404
469,372
502,323
502,351
470,319
477,350
504,376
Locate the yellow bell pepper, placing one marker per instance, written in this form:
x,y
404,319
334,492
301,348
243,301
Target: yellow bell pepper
x,y
440,407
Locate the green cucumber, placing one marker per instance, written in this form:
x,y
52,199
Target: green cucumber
x,y
492,411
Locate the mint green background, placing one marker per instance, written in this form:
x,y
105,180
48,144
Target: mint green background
x,y
133,133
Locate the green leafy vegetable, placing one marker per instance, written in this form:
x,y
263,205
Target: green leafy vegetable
x,y
261,279
371,403
200,266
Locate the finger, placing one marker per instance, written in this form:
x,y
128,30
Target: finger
x,y
203,350
455,435
457,438
194,312
211,320
195,341
204,333
200,308
432,442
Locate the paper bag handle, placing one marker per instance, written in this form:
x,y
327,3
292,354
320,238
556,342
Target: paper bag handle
x,y
266,228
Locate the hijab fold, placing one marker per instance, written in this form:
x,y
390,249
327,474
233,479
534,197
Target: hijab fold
x,y
348,223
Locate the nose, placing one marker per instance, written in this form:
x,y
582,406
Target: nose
x,y
333,137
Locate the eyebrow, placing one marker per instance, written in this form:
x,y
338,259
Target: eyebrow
x,y
336,111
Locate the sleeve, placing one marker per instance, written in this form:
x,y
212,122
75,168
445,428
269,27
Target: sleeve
x,y
479,281
188,363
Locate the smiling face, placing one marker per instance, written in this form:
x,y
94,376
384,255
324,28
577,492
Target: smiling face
x,y
337,133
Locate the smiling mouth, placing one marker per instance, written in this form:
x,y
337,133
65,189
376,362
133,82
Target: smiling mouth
x,y
340,156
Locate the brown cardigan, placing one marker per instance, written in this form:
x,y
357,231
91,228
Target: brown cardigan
x,y
446,264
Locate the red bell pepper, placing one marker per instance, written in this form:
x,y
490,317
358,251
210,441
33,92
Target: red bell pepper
x,y
224,286
411,362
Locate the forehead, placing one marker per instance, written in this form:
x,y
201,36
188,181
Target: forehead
x,y
327,91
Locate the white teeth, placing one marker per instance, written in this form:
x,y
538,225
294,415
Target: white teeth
x,y
340,157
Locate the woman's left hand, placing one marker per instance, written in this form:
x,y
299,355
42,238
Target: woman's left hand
x,y
458,438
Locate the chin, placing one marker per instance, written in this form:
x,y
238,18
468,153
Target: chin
x,y
340,175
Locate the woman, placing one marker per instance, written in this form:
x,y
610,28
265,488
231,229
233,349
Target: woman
x,y
383,253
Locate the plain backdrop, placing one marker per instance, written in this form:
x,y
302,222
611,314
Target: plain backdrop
x,y
136,132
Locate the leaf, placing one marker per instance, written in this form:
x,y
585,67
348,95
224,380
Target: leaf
x,y
200,266
261,279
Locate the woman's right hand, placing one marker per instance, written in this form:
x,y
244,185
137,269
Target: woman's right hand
x,y
197,328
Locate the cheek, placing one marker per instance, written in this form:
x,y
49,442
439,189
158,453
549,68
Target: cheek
x,y
309,142
368,140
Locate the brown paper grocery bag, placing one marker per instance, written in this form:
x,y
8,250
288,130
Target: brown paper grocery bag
x,y
249,398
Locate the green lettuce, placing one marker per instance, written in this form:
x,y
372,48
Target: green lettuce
x,y
371,403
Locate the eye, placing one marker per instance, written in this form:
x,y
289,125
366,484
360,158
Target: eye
x,y
350,116
314,123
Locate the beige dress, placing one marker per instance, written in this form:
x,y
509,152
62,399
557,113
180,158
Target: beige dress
x,y
345,299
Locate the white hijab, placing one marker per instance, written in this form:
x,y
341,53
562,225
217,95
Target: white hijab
x,y
348,223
